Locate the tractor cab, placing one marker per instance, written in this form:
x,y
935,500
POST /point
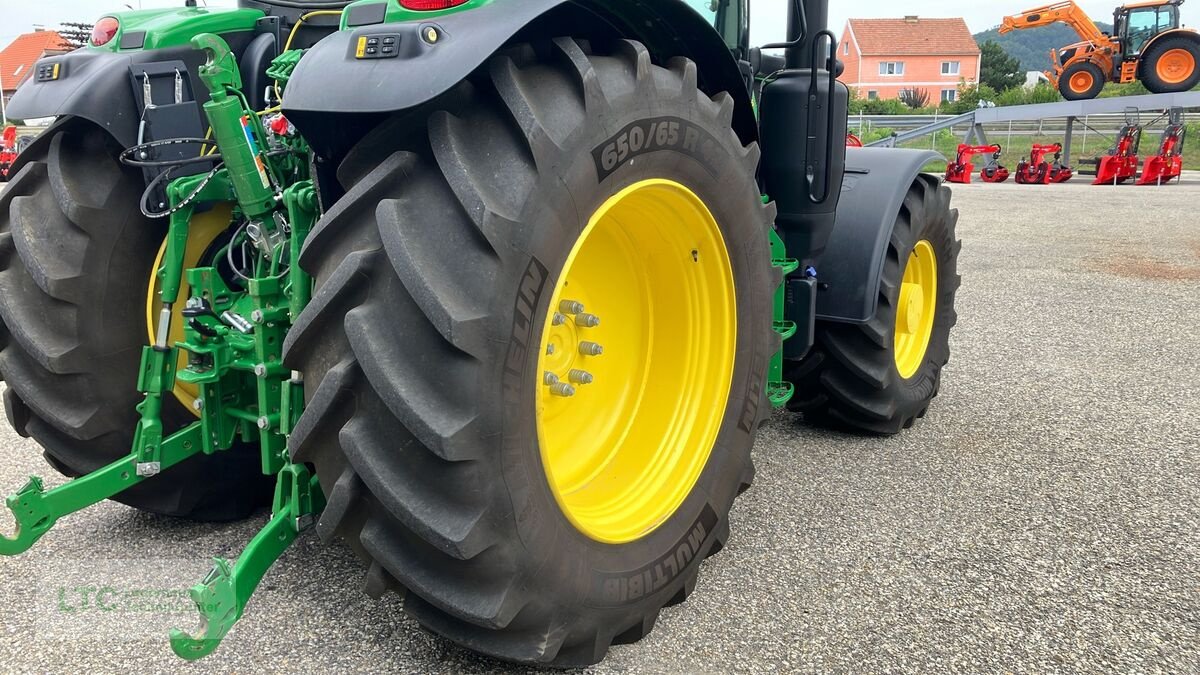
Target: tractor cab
x,y
1136,25
730,18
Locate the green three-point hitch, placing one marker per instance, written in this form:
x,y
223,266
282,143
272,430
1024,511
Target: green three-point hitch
x,y
233,342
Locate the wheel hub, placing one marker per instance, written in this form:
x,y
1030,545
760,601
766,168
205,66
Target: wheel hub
x,y
1082,82
1176,66
912,307
636,361
916,309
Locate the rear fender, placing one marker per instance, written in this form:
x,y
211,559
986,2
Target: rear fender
x,y
94,83
849,272
1187,33
334,97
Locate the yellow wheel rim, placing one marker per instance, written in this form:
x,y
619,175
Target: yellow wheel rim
x,y
203,230
626,429
916,310
1176,66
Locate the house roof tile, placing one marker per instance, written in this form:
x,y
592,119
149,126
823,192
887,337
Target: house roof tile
x,y
17,59
913,37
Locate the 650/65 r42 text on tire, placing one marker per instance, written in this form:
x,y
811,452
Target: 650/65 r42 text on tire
x,y
536,351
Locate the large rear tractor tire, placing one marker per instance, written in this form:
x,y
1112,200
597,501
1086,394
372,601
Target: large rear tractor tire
x,y
75,260
536,350
880,377
1171,64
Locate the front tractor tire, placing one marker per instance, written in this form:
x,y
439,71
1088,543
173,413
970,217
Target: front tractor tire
x,y
1081,81
880,377
75,260
540,477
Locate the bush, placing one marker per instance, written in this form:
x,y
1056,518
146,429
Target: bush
x,y
915,98
885,107
877,134
1112,90
1042,93
969,96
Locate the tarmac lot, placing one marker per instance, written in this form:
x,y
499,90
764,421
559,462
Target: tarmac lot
x,y
1045,516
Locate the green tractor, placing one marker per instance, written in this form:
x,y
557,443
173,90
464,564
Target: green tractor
x,y
497,292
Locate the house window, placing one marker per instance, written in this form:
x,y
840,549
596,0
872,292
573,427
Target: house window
x,y
872,96
949,95
892,68
846,49
950,67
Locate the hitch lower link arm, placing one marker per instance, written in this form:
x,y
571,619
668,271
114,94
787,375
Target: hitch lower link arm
x,y
222,596
35,509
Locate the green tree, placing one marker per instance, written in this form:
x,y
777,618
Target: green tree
x,y
998,70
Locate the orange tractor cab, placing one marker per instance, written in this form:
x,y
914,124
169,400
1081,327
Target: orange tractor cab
x,y
1147,44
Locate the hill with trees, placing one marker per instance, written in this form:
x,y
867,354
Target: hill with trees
x,y
1032,47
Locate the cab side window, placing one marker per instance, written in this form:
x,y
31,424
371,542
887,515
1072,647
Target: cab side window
x,y
726,17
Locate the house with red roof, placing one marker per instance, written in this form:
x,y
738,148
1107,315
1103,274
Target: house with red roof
x,y
885,57
17,59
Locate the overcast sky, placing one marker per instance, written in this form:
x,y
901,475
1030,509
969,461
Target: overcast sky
x,y
768,15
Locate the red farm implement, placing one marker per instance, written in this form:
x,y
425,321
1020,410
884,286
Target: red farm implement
x,y
1037,170
1121,162
961,169
1167,165
8,151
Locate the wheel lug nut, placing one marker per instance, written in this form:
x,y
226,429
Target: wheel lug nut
x,y
549,379
590,349
570,307
558,319
580,376
562,389
587,320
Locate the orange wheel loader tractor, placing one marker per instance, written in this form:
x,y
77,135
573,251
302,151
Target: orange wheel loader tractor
x,y
1148,45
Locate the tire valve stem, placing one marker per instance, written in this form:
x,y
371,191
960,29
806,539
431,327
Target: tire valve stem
x,y
590,349
587,320
549,379
580,376
549,350
570,307
562,389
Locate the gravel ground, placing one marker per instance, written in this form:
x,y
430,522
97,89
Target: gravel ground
x,y
1044,517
